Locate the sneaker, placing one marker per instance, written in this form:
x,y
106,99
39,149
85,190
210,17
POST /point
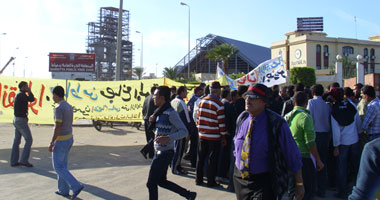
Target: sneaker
x,y
192,195
26,164
61,194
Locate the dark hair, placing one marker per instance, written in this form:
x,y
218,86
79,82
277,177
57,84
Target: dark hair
x,y
22,84
173,88
164,91
290,90
197,89
300,98
317,89
234,93
153,89
369,90
300,87
359,85
242,89
207,90
308,93
284,88
348,92
181,89
225,93
275,88
335,84
59,91
202,85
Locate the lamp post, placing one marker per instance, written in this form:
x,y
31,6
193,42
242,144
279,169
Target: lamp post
x,y
118,41
188,44
14,62
142,49
0,47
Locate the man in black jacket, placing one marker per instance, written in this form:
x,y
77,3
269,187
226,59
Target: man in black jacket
x,y
21,126
148,109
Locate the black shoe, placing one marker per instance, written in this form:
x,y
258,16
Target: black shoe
x,y
15,164
192,196
213,185
59,193
199,182
26,164
75,194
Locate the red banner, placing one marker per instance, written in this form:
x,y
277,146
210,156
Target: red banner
x,y
71,62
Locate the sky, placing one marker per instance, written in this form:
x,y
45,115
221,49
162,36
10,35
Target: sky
x,y
33,28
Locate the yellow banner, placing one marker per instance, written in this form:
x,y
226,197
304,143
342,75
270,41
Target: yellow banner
x,y
98,100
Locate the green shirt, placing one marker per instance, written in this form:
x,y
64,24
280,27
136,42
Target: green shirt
x,y
302,128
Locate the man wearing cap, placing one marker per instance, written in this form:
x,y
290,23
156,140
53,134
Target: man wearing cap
x,y
211,129
265,151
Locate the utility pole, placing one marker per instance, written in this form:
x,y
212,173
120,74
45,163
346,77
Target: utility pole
x,y
119,38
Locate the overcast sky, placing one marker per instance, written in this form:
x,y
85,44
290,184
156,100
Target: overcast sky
x,y
37,27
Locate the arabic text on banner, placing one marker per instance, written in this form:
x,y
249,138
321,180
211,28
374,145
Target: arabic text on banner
x,y
100,100
269,73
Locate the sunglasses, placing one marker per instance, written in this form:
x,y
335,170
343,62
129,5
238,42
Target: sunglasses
x,y
252,97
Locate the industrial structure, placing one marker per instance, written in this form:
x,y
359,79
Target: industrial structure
x,y
102,41
248,57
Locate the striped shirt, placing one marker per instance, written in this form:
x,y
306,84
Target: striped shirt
x,y
211,118
372,117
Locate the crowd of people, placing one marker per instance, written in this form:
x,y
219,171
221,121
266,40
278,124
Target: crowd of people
x,y
262,142
265,143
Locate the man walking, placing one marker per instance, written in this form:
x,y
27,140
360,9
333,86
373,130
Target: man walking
x,y
61,144
180,107
168,127
320,112
264,150
301,125
211,129
371,121
147,111
20,123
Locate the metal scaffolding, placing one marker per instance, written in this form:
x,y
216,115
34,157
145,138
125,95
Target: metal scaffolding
x,y
102,40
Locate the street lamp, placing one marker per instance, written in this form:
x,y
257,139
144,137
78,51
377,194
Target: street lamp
x,y
142,51
14,62
188,44
0,47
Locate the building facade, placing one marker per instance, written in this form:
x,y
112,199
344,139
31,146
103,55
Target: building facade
x,y
315,49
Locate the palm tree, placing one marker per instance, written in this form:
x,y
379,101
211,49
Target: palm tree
x,y
170,72
222,53
138,72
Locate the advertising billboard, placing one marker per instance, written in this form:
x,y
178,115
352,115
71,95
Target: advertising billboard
x,y
71,62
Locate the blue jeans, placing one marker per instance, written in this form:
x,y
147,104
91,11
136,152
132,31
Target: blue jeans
x,y
21,129
322,140
157,176
66,180
348,154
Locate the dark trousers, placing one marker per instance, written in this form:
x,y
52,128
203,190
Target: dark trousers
x,y
149,136
224,158
308,176
231,187
179,147
193,147
254,187
349,156
207,148
322,139
157,176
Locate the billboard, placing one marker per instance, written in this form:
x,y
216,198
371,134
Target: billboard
x,y
310,24
71,62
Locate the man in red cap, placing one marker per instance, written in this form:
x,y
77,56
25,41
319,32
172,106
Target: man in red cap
x,y
211,129
265,151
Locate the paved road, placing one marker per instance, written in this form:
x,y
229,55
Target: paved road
x,y
107,162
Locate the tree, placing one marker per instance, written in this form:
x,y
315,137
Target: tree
x,y
170,72
222,53
304,75
349,67
138,72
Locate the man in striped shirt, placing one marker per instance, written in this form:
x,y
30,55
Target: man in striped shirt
x,y
211,129
371,121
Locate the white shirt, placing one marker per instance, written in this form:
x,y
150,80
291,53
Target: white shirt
x,y
346,135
